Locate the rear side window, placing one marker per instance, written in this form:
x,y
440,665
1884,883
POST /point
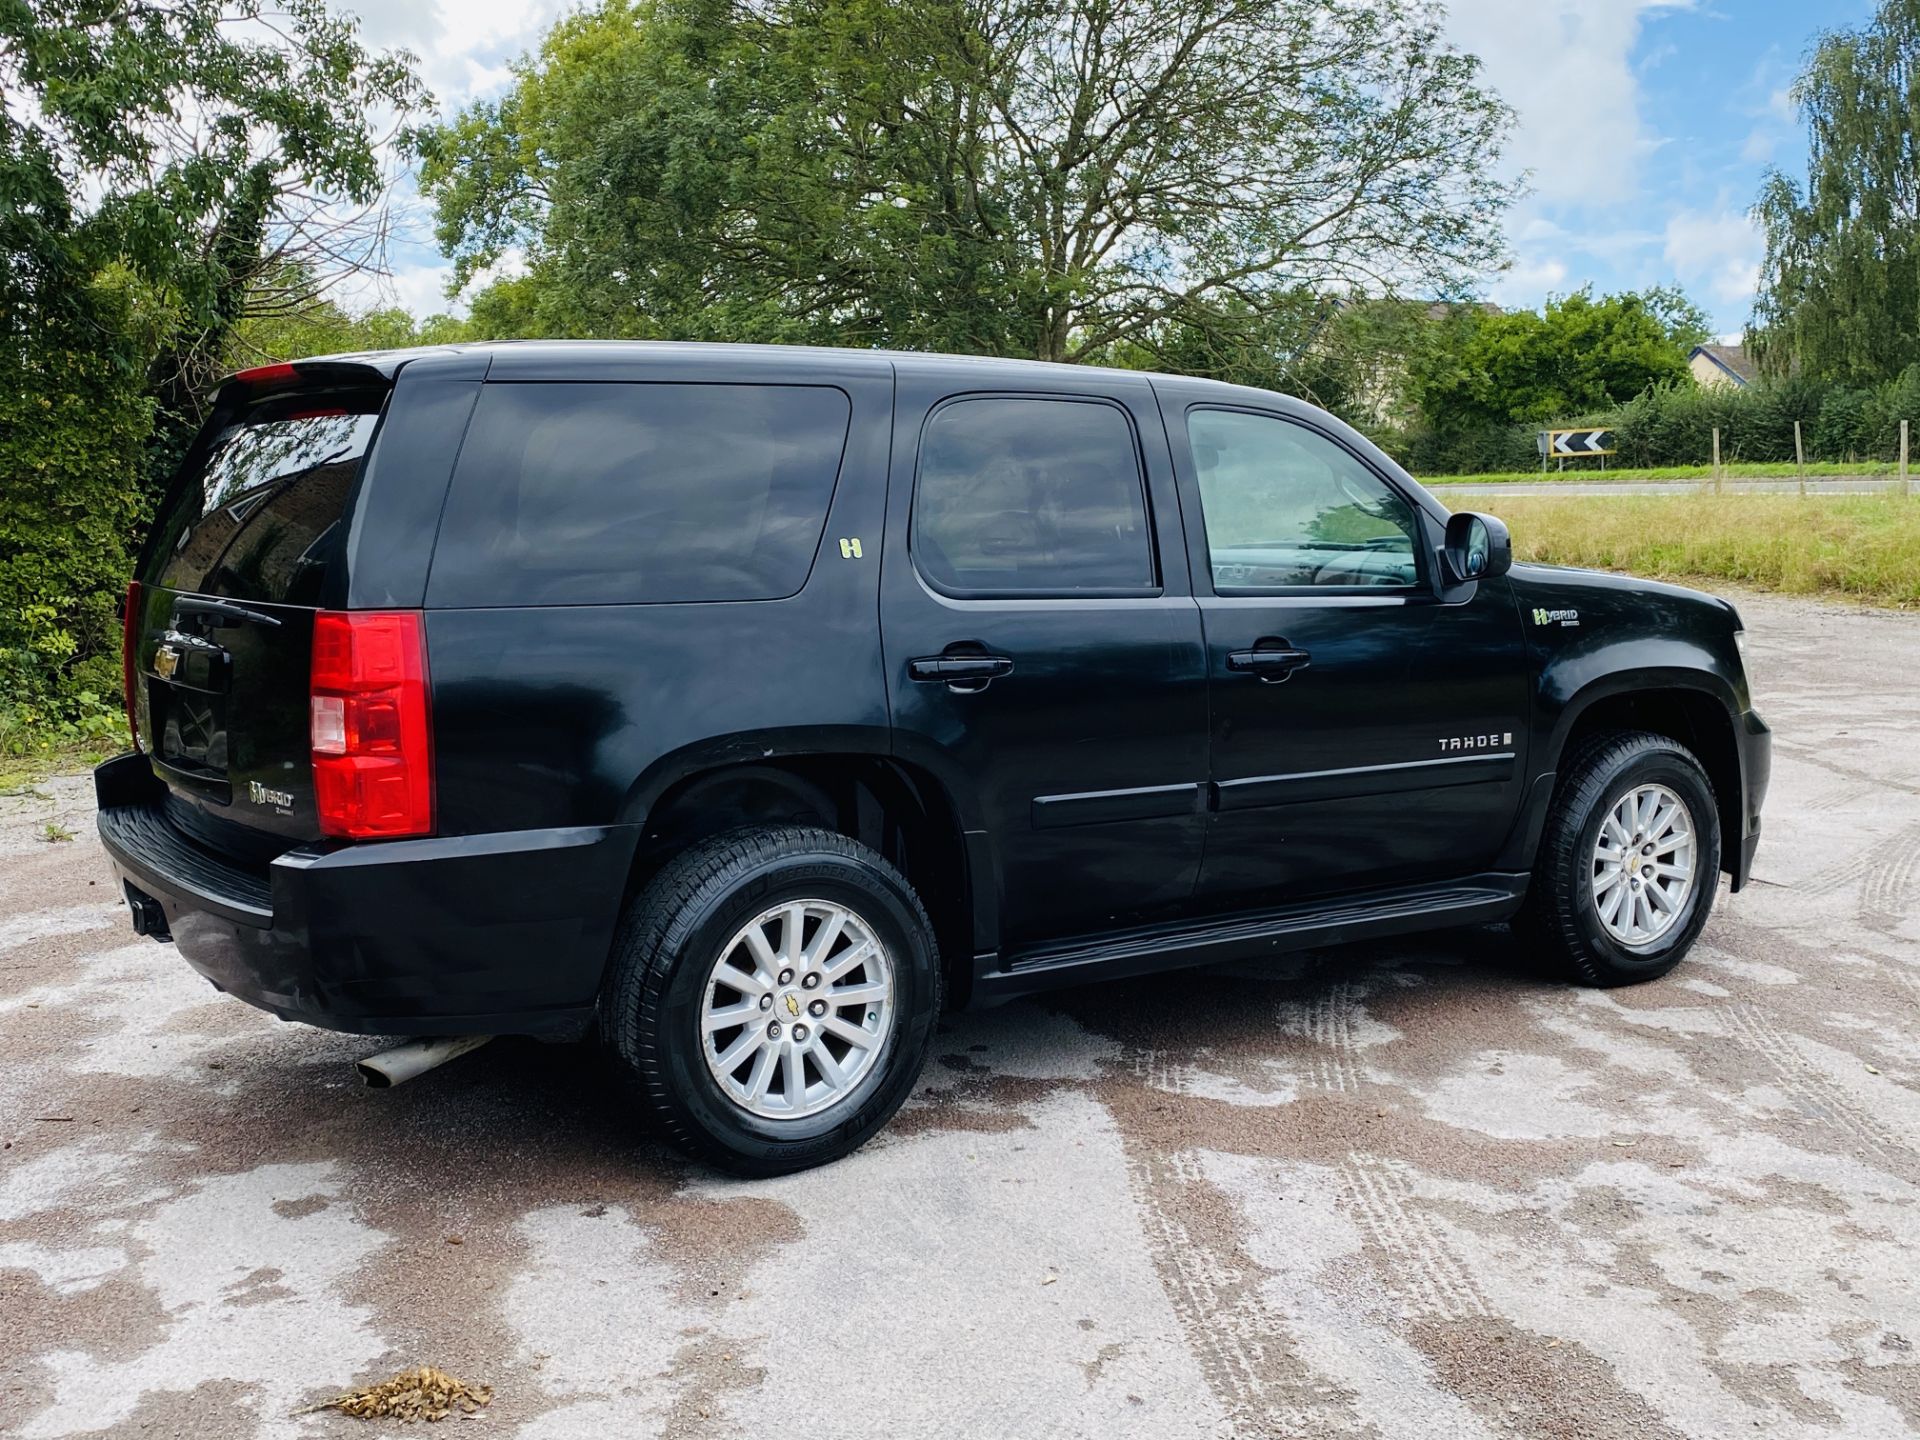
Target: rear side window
x,y
623,493
1031,496
261,511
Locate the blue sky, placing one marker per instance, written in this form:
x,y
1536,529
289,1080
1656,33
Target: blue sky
x,y
1646,159
1645,124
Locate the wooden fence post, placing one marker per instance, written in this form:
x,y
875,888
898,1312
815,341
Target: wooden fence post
x,y
1716,459
1903,459
1800,457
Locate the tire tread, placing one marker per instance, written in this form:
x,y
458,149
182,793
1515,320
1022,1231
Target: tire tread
x,y
1548,916
656,927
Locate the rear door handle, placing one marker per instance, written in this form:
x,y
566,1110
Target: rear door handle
x,y
1274,664
945,669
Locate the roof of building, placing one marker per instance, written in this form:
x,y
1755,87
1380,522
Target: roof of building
x,y
1731,358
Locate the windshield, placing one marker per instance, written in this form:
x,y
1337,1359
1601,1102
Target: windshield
x,y
262,514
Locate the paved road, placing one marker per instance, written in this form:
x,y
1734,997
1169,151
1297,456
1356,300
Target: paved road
x,y
1839,486
1406,1190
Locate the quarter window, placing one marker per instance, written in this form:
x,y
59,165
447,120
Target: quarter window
x,y
603,493
1285,507
1024,496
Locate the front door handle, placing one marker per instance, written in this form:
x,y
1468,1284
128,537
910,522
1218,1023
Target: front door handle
x,y
1276,662
947,669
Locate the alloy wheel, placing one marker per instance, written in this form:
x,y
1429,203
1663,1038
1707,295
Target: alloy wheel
x,y
1644,864
797,1009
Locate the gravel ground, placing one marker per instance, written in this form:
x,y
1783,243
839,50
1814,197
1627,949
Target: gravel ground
x,y
1400,1190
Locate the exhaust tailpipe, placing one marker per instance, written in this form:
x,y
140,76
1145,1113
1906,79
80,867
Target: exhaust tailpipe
x,y
415,1057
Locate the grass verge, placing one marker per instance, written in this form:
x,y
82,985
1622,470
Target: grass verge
x,y
32,748
1865,546
1735,470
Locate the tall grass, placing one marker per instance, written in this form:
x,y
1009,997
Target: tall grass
x,y
1867,546
1744,470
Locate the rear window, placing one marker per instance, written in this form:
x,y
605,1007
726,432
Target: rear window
x,y
1031,496
625,493
261,514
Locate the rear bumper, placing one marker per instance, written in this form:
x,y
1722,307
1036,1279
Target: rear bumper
x,y
1756,770
477,934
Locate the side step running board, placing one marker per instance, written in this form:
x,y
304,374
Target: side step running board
x,y
1476,900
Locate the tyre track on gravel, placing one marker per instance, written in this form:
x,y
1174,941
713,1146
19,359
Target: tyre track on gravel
x,y
1807,1083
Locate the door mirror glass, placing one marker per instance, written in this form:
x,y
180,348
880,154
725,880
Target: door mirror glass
x,y
1477,547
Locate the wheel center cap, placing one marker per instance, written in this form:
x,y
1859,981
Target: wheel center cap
x,y
792,1003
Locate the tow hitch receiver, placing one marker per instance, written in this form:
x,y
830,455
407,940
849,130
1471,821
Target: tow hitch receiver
x,y
148,918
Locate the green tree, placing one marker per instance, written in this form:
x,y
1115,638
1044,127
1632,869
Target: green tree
x,y
1576,356
1064,181
290,320
1840,288
156,160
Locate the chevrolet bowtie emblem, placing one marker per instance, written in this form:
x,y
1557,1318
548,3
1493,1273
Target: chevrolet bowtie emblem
x,y
165,661
793,1005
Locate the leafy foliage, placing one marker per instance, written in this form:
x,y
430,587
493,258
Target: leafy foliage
x,y
159,163
73,432
1672,424
1840,288
1578,354
1067,182
319,326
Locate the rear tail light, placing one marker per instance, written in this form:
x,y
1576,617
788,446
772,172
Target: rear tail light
x,y
130,660
371,736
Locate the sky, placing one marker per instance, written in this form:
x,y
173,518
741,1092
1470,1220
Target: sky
x,y
1644,125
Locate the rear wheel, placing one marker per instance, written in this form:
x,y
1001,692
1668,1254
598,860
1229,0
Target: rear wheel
x,y
774,991
1629,862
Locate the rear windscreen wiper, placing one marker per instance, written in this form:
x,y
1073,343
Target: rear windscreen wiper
x,y
225,609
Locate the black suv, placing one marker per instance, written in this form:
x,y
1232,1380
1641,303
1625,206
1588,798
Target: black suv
x,y
751,705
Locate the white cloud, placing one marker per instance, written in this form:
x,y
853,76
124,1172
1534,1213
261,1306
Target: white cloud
x,y
1719,249
463,45
416,286
465,49
1565,68
1761,142
1528,281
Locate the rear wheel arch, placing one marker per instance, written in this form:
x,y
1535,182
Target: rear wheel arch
x,y
900,811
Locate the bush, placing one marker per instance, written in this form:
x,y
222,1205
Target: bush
x,y
74,421
1673,424
1425,451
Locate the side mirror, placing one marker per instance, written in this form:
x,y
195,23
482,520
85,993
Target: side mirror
x,y
1478,547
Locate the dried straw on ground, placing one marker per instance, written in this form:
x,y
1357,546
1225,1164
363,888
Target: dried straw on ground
x,y
422,1393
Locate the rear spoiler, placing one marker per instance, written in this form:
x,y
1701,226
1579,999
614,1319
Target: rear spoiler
x,y
264,379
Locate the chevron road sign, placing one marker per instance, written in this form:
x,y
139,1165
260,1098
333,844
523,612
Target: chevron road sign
x,y
1576,442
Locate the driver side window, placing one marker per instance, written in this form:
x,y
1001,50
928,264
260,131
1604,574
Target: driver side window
x,y
1285,508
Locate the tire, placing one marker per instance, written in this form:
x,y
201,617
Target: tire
x,y
683,926
1562,916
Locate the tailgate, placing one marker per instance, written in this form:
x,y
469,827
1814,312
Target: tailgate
x,y
251,544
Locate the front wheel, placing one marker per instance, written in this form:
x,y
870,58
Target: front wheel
x,y
775,992
1629,862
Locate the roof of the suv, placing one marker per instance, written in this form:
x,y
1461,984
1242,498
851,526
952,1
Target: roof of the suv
x,y
387,362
